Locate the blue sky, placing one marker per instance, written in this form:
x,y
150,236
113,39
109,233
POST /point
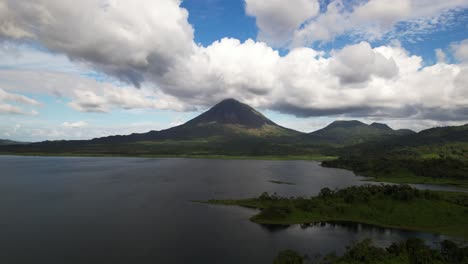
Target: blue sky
x,y
139,66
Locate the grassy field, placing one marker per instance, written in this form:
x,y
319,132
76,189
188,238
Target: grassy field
x,y
387,206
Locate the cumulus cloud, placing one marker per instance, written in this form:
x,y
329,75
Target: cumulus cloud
x,y
392,83
277,19
385,82
122,38
358,63
87,94
150,44
460,50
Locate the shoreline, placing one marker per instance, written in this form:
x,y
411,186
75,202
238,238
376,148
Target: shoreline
x,y
397,207
317,158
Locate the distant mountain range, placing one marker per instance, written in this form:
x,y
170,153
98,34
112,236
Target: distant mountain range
x,y
354,132
232,128
436,156
5,142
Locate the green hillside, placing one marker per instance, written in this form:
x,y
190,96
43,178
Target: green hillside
x,y
355,132
437,155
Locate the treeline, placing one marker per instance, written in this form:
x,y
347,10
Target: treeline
x,y
441,168
411,251
364,193
337,202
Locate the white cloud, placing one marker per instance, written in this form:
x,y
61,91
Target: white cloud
x,y
358,63
86,94
391,82
77,124
151,44
122,38
384,82
104,100
382,13
277,19
375,19
21,99
10,109
441,56
7,108
460,50
39,130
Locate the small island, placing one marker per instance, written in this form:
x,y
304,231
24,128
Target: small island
x,y
393,206
281,182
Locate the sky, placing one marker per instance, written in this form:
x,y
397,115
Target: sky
x,y
91,68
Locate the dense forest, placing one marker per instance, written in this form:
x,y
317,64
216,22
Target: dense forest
x,y
437,155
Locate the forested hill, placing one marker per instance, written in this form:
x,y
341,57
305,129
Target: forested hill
x,y
355,132
437,153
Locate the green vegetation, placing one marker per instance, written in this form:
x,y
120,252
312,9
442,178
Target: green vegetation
x,y
282,182
384,205
446,171
352,132
411,251
434,156
230,145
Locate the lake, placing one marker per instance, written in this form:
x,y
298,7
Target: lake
x,y
138,210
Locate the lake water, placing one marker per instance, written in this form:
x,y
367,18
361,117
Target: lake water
x,y
135,210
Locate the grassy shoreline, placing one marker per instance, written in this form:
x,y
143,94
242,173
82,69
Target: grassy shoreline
x,y
220,157
387,206
420,180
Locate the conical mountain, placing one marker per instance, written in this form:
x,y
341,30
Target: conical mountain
x,y
233,112
227,119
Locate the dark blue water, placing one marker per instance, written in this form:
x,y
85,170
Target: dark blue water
x,y
135,210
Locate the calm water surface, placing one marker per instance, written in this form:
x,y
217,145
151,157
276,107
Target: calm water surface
x,y
135,210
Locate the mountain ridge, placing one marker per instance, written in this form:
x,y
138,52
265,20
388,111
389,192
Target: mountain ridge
x,y
229,128
5,142
353,132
